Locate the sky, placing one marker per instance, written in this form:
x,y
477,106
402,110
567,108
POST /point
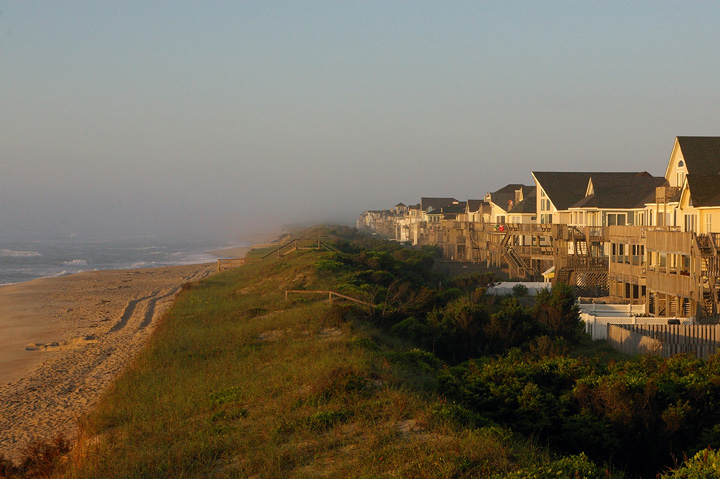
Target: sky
x,y
223,119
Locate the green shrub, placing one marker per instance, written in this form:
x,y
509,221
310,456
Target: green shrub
x,y
520,291
572,467
703,465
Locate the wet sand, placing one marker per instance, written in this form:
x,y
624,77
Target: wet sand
x,y
64,340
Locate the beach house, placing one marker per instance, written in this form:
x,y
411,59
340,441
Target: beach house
x,y
632,236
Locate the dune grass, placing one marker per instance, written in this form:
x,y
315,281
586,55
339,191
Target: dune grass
x,y
239,382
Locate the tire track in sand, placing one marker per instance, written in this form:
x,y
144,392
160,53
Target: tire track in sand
x,y
129,310
150,310
71,379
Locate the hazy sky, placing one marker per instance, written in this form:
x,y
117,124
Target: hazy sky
x,y
223,117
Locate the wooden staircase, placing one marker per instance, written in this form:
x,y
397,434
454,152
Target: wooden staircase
x,y
517,265
709,275
563,276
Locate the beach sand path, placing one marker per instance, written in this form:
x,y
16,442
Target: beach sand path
x,y
64,340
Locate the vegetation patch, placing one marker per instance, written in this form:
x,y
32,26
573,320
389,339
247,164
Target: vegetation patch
x,y
432,378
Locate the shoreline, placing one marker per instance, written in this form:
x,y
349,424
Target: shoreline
x,y
64,339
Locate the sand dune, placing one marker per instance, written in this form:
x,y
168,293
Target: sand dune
x,y
63,340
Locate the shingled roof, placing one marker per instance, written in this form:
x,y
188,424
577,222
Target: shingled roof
x,y
705,190
458,208
430,203
506,193
475,205
628,190
565,189
529,202
701,154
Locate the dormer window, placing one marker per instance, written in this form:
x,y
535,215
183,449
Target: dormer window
x,y
681,164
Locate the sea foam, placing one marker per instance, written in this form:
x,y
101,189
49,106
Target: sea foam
x,y
18,254
76,262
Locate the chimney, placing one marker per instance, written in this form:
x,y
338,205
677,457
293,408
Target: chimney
x,y
518,195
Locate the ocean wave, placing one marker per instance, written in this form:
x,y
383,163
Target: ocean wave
x,y
57,275
18,254
76,262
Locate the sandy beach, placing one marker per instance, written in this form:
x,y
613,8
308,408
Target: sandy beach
x,y
63,340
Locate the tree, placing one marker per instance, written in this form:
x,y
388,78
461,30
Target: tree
x,y
557,312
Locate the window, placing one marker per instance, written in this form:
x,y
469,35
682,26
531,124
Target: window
x,y
637,254
690,222
708,223
615,219
545,219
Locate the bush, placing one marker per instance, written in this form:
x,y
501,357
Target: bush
x,y
703,465
520,291
571,467
557,312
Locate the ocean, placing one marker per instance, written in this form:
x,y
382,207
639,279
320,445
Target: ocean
x,y
40,258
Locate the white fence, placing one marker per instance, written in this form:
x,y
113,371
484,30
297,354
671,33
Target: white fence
x,y
598,316
599,309
597,326
699,340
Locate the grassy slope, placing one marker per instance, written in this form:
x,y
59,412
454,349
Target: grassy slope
x,y
238,382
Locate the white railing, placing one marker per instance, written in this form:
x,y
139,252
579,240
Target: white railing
x,y
599,309
597,326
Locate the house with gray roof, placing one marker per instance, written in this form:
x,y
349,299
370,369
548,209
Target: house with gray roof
x,y
694,169
428,204
617,199
503,200
592,198
474,210
524,209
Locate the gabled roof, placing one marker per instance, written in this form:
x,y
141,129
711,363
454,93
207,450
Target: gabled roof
x,y
565,189
701,154
528,204
624,191
705,190
436,203
414,207
474,205
454,209
505,194
400,204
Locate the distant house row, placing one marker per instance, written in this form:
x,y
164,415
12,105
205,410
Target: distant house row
x,y
631,236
